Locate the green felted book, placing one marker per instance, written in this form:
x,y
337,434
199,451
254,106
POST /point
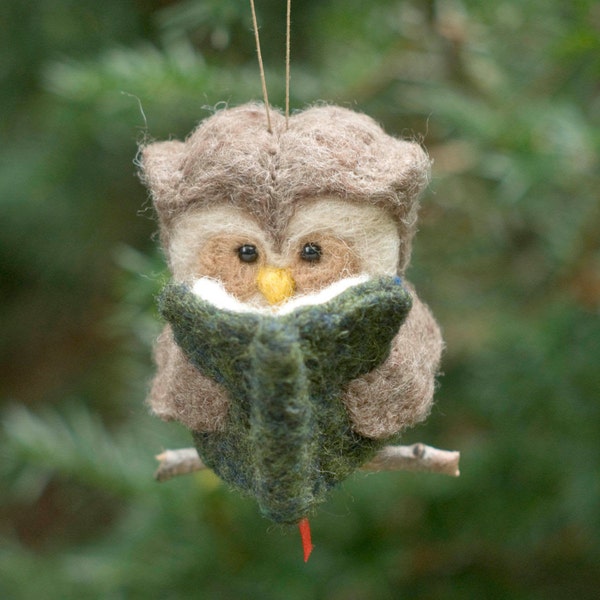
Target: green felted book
x,y
288,437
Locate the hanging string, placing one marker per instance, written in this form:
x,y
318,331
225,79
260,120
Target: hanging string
x,y
288,21
261,67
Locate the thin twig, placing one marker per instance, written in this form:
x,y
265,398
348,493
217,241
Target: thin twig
x,y
172,463
417,458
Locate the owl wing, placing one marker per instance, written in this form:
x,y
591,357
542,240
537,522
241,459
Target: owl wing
x,y
180,392
399,393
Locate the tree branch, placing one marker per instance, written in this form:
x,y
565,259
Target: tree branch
x,y
416,458
172,463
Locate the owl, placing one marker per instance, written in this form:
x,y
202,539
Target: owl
x,y
294,347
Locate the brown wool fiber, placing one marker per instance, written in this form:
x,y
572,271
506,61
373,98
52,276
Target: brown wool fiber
x,y
334,178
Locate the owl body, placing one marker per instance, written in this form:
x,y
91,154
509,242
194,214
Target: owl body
x,y
278,216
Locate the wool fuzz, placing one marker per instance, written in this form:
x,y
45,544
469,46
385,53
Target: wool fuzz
x,y
288,438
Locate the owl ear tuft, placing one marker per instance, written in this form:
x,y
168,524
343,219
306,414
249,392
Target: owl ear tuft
x,y
410,169
160,170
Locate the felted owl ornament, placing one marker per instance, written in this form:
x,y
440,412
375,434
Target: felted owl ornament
x,y
294,348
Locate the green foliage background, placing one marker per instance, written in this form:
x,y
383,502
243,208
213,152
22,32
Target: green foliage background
x,y
506,97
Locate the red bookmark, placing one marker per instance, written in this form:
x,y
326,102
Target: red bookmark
x,y
307,546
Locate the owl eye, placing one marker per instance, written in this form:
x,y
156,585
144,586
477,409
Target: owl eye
x,y
311,252
247,253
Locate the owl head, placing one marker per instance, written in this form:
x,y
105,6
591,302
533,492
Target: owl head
x,y
329,196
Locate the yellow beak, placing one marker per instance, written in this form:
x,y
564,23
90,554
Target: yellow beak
x,y
276,285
